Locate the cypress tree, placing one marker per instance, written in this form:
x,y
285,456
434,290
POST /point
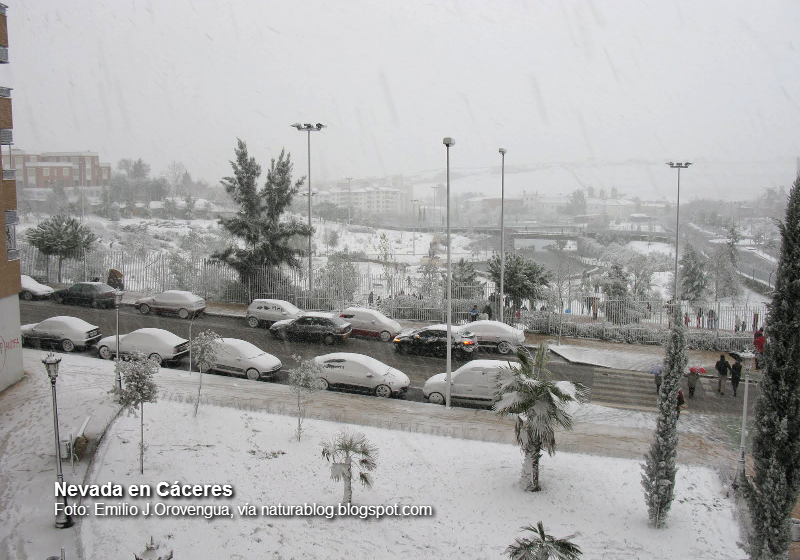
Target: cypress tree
x,y
776,444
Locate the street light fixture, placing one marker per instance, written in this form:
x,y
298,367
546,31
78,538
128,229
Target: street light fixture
x,y
117,301
63,520
449,376
349,198
309,128
502,229
677,166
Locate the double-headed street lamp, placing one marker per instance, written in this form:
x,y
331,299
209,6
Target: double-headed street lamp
x,y
63,520
309,128
502,229
449,376
677,166
117,301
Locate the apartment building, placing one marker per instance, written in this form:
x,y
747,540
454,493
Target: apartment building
x,y
366,198
10,338
62,169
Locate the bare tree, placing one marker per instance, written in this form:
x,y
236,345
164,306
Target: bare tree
x,y
304,381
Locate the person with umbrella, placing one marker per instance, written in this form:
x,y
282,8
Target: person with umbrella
x,y
657,370
692,377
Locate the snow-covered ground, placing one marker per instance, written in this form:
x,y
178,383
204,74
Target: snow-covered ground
x,y
473,487
647,247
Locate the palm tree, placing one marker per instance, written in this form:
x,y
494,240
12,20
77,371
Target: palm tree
x,y
542,546
345,449
540,405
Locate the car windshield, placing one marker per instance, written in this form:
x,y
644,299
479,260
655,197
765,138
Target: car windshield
x,y
338,321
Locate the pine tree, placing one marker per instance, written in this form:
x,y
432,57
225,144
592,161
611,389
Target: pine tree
x,y
658,478
694,281
776,444
61,236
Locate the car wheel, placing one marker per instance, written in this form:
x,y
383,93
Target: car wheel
x,y
504,347
156,357
253,375
105,352
253,321
67,345
27,296
385,336
323,384
58,299
436,398
144,309
383,391
328,340
183,314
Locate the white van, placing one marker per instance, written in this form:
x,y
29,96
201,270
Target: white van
x,y
267,311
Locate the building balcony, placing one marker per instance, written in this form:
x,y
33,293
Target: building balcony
x,y
3,55
5,91
6,136
9,174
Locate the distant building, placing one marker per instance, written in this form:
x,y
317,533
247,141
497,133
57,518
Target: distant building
x,y
10,336
58,169
545,204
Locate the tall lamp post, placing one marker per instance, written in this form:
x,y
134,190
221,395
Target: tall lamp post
x,y
414,226
349,198
740,478
677,166
435,196
63,520
309,128
502,229
117,301
449,376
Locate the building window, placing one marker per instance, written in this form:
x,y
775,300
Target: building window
x,y
46,172
75,159
19,161
11,235
31,172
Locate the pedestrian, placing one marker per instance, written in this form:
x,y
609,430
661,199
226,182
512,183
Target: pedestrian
x,y
370,298
723,367
744,325
594,309
711,316
692,378
736,375
758,341
657,370
488,311
755,321
473,314
699,315
736,322
686,319
680,405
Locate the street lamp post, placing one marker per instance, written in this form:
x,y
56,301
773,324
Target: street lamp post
x,y
449,376
117,301
63,520
349,198
740,478
435,196
414,226
309,128
502,229
677,166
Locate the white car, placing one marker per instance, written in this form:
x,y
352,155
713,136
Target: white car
x,y
31,289
372,323
239,357
494,334
268,311
474,381
358,372
157,344
63,331
178,302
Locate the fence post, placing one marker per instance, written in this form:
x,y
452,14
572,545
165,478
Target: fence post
x,y
716,323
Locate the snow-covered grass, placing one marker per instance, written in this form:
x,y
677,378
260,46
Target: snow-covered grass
x,y
472,486
647,247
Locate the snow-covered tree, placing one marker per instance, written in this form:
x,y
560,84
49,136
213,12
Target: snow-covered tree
x,y
523,278
331,239
724,277
539,406
542,546
138,388
170,208
776,443
203,351
339,279
188,209
693,277
658,478
304,380
345,450
465,281
61,236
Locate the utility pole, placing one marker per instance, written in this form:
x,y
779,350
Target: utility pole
x,y
349,198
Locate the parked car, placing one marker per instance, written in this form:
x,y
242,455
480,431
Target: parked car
x,y
268,311
31,289
372,323
95,294
474,382
157,344
496,335
240,357
67,333
358,372
432,341
178,302
313,326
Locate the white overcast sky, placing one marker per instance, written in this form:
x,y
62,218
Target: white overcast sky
x,y
607,90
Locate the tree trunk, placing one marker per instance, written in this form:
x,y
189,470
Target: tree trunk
x,y
199,386
60,260
348,482
530,471
141,440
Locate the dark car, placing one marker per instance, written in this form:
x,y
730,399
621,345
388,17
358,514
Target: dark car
x,y
324,327
432,341
94,294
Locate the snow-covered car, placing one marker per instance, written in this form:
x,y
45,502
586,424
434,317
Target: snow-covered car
x,y
357,372
157,344
240,357
31,289
432,341
472,382
372,323
324,327
268,311
67,333
495,335
177,302
94,294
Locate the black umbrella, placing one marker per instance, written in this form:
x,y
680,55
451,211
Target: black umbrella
x,y
735,356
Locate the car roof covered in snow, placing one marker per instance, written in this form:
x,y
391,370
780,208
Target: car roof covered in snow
x,y
319,314
247,348
73,322
353,357
164,335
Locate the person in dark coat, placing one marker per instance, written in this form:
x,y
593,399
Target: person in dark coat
x,y
692,378
488,311
736,375
370,298
723,367
681,404
759,340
